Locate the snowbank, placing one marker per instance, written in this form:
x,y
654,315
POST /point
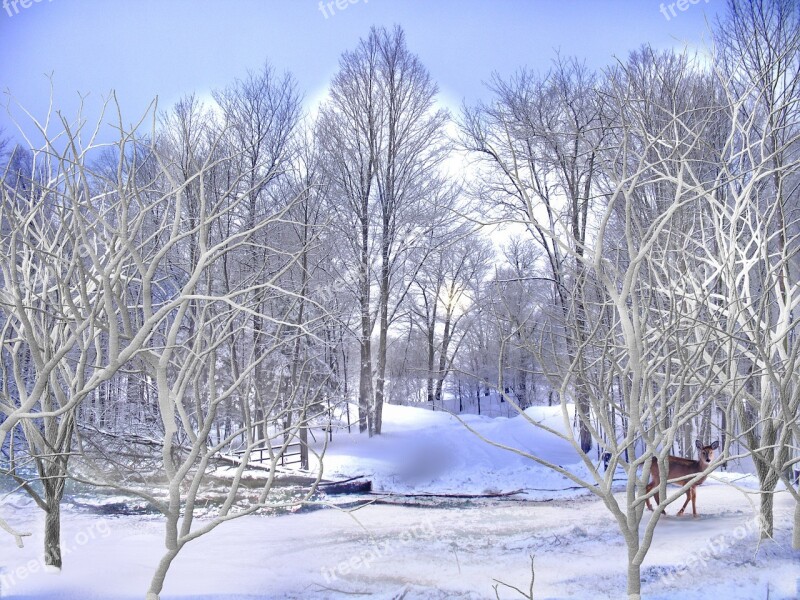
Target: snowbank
x,y
435,452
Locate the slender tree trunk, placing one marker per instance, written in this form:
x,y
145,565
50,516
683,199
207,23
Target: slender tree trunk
x,y
157,582
796,531
304,444
431,362
53,470
365,385
634,581
380,380
443,361
763,452
767,508
298,345
582,401
52,533
365,398
365,373
382,342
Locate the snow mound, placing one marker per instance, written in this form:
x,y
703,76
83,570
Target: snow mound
x,y
437,452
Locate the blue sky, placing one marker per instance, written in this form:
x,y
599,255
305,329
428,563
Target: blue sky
x,y
173,47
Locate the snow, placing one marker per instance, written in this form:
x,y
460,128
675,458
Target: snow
x,y
454,550
425,451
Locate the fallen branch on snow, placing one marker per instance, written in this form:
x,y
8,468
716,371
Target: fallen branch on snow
x,y
432,495
18,535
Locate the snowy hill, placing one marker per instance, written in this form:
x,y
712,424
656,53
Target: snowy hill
x,y
424,451
435,452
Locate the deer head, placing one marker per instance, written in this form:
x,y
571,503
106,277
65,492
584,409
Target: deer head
x,y
705,453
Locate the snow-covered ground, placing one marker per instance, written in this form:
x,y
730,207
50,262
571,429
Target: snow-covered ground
x,y
455,550
424,451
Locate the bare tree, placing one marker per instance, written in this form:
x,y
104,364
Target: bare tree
x,y
638,353
130,263
65,329
195,344
540,140
442,297
758,64
261,114
5,143
384,142
519,304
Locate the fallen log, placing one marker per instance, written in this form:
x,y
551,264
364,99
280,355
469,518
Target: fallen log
x,y
235,461
345,487
462,496
420,503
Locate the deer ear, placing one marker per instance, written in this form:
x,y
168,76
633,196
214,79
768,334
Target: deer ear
x,y
698,445
714,445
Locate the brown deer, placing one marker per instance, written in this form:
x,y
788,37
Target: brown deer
x,y
680,470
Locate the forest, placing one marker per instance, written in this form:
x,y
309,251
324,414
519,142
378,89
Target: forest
x,y
201,291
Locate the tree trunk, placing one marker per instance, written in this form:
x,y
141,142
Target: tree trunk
x,y
365,398
767,503
365,373
52,534
304,444
365,386
634,582
383,335
586,436
796,531
444,368
634,571
52,470
431,361
157,582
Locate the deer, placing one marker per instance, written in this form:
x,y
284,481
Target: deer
x,y
679,471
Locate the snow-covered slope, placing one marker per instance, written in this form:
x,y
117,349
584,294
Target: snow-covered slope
x,y
424,451
435,452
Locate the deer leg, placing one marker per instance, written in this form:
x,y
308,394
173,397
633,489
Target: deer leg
x,y
650,486
688,497
694,501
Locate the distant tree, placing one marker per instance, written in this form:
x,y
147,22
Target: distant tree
x,y
519,303
383,142
5,143
539,140
442,297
